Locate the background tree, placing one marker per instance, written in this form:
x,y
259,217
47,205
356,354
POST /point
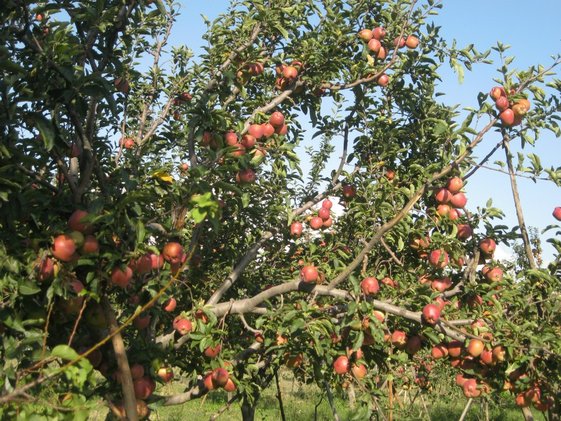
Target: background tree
x,y
158,220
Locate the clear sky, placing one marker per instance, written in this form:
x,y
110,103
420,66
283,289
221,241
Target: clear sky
x,y
534,34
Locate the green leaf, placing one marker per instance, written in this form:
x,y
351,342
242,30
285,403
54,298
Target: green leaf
x,y
65,352
45,127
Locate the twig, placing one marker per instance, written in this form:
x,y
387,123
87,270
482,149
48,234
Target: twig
x,y
279,396
331,401
390,251
466,409
77,321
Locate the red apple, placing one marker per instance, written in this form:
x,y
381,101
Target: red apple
x,y
470,388
255,130
493,274
486,357
121,278
442,195
412,42
309,274
142,321
137,371
458,200
157,261
208,382
170,305
349,191
497,92
64,248
487,246
454,185
143,264
182,325
324,213
475,347
316,222
173,252
341,365
277,119
165,374
231,138
383,80
439,258
220,377
379,33
441,284
502,103
365,35
359,371
507,117
290,72
296,229
443,209
248,141
374,45
45,269
413,344
464,231
230,386
455,349
499,353
283,130
268,129
246,176
369,286
327,204
90,246
399,42
439,351
213,351
398,339
557,213
76,221
431,314
144,387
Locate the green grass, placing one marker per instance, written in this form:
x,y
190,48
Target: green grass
x,y
300,402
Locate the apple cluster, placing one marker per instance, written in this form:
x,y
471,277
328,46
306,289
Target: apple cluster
x,y
511,110
374,39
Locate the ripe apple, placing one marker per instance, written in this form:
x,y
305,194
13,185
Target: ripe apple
x,y
502,103
144,387
290,72
327,204
431,314
499,353
374,45
208,381
470,388
493,274
294,361
76,221
522,400
249,140
519,109
213,351
246,176
398,339
455,349
369,286
359,371
137,371
316,222
182,325
557,213
399,42
324,213
296,229
458,200
170,305
454,214
487,246
475,347
443,209
389,282
282,131
441,284
230,386
464,231
412,42
255,130
276,119
165,374
45,269
380,316
157,261
64,248
121,278
122,85
231,138
143,264
349,191
486,357
383,80
497,92
413,345
442,195
142,321
341,365
439,258
454,185
268,129
382,54
220,377
309,274
90,245
365,35
507,117
439,351
173,252
379,32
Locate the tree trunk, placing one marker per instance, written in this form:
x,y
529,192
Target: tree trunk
x,y
248,409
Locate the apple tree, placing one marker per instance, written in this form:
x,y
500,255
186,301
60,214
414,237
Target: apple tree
x,y
292,197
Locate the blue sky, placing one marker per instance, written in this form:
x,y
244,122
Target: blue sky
x,y
534,34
